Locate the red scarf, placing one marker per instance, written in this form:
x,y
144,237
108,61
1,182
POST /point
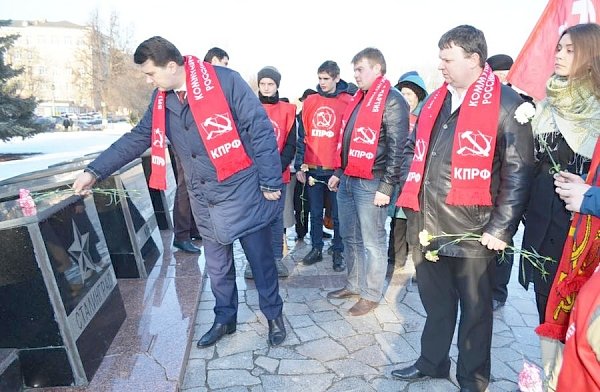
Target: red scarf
x,y
213,119
322,120
473,148
282,116
581,255
365,134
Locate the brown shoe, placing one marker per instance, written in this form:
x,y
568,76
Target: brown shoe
x,y
363,306
341,293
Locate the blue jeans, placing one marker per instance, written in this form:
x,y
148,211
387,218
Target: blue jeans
x,y
277,228
316,199
362,225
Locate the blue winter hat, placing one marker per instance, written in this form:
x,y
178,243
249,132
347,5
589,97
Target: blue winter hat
x,y
413,81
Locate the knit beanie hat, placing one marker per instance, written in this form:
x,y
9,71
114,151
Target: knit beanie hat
x,y
271,73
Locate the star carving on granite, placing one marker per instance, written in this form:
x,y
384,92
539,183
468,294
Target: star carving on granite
x,y
79,250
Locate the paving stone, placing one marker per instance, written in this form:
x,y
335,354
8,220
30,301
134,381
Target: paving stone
x,y
350,368
384,314
295,309
311,382
357,342
395,347
383,384
320,305
236,361
240,342
329,315
322,350
432,385
371,355
300,366
395,327
338,328
353,384
303,320
269,364
284,353
195,374
230,378
313,332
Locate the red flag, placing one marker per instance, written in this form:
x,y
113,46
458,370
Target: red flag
x,y
535,63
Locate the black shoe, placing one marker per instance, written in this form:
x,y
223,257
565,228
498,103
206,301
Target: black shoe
x,y
327,235
408,373
313,256
276,331
497,304
186,246
196,237
215,333
338,261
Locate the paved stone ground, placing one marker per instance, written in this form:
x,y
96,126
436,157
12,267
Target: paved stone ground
x,y
328,350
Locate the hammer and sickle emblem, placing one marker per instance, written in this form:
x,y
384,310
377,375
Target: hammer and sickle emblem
x,y
419,150
474,147
160,140
365,135
324,118
217,125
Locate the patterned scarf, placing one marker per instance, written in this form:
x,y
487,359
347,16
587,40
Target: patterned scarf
x,y
571,109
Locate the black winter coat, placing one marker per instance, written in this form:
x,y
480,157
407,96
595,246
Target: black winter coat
x,y
512,170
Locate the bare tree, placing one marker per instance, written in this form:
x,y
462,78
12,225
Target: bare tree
x,y
108,74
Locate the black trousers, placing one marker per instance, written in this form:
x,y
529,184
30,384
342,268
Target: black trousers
x,y
300,213
443,287
504,264
221,270
184,226
398,243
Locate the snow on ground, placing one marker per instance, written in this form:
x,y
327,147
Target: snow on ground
x,y
55,147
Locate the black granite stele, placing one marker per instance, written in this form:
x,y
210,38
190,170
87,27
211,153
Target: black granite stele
x,y
129,223
162,201
11,379
60,305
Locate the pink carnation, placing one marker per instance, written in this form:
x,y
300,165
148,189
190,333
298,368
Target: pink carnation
x,y
530,379
26,202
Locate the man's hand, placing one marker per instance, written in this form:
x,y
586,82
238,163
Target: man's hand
x,y
301,176
570,188
83,183
381,200
272,195
492,242
333,183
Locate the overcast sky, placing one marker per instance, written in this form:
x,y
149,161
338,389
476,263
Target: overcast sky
x,y
296,37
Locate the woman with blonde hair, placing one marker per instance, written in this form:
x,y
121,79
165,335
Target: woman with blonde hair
x,y
566,128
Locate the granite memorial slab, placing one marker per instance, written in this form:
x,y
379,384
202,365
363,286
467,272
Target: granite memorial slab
x,y
60,305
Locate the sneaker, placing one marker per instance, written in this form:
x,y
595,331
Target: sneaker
x,y
282,270
338,261
330,250
327,235
313,256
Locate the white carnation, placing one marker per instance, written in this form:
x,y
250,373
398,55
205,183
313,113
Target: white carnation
x,y
524,113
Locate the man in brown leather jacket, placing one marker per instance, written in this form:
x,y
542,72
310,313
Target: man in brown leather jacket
x,y
467,170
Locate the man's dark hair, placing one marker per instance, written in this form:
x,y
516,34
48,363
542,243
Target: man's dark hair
x,y
215,52
159,50
467,37
329,67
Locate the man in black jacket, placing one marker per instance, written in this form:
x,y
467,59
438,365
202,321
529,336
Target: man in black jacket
x,y
467,170
372,141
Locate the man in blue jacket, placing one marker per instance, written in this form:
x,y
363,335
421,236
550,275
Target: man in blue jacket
x,y
227,148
